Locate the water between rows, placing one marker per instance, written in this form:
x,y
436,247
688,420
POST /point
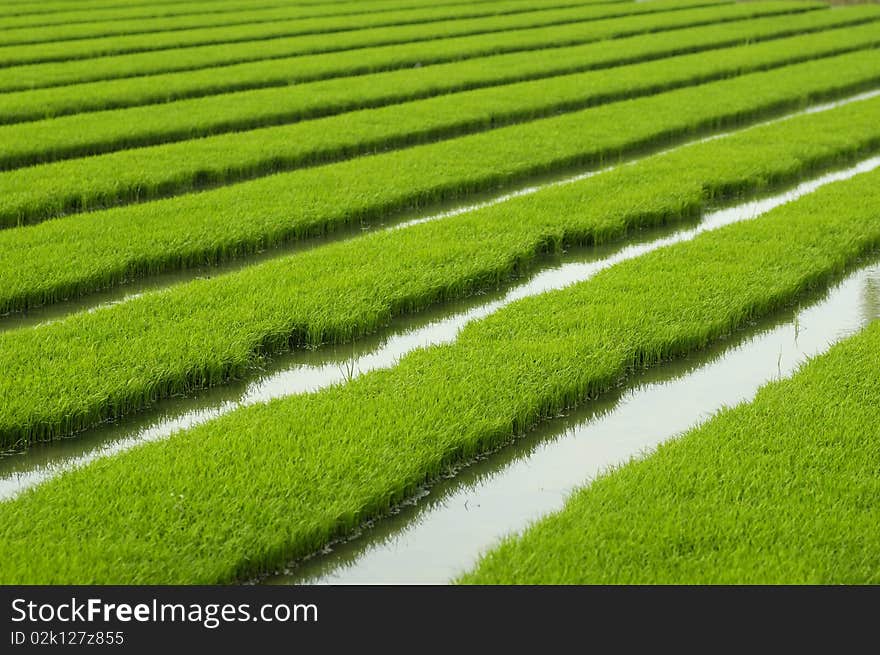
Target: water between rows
x,y
305,371
442,534
133,288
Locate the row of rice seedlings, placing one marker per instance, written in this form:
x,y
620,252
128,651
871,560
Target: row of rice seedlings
x,y
438,77
314,369
263,485
33,14
54,14
62,11
310,20
207,331
675,15
781,490
75,255
108,131
309,39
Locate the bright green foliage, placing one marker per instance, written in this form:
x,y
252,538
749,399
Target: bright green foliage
x,y
311,19
376,29
179,59
782,490
46,13
96,132
57,14
386,109
187,511
206,331
75,255
439,78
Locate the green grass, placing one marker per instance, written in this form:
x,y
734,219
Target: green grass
x,y
782,490
182,59
461,74
107,131
75,255
309,20
309,38
204,332
187,511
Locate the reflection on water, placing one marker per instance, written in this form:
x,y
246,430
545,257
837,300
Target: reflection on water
x,y
403,218
305,371
871,299
443,534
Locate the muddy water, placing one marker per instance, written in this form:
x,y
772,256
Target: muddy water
x,y
443,533
301,372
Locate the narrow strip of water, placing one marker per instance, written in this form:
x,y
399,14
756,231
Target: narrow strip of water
x,y
305,371
443,532
133,288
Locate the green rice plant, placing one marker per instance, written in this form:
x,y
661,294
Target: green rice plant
x,y
437,78
47,13
109,9
81,24
781,490
245,493
196,57
73,15
53,14
207,331
368,29
75,255
287,147
308,20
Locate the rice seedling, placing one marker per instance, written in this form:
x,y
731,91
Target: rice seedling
x,y
776,491
186,511
309,20
196,57
63,11
207,331
74,255
195,188
366,29
93,133
437,77
57,14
